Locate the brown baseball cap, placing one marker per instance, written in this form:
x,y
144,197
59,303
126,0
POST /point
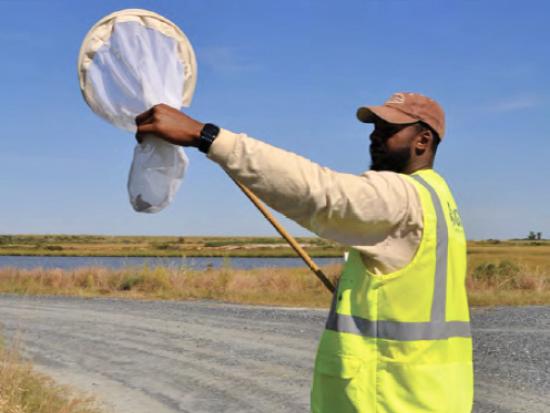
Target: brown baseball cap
x,y
406,107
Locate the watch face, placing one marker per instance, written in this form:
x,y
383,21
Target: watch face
x,y
208,134
210,130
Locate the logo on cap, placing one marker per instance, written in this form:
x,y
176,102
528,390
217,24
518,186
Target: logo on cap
x,y
398,98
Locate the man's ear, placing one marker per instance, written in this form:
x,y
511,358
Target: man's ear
x,y
423,141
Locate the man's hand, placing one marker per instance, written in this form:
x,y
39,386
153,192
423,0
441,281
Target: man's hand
x,y
169,124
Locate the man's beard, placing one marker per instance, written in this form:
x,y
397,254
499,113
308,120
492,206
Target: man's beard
x,y
395,161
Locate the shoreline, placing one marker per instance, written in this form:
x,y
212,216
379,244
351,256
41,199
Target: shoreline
x,y
194,254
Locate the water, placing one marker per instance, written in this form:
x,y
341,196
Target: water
x,y
198,263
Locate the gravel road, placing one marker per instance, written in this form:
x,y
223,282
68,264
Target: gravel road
x,y
160,356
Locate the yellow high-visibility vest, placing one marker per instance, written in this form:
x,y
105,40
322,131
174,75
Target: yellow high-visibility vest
x,y
401,342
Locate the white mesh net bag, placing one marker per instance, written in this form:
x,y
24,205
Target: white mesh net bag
x,y
129,61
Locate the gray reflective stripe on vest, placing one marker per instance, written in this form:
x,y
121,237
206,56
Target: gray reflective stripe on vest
x,y
440,282
397,330
435,329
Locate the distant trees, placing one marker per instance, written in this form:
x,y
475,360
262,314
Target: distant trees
x,y
534,235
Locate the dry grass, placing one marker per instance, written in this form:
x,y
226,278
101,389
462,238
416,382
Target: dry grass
x,y
279,286
523,253
491,282
22,390
506,282
508,272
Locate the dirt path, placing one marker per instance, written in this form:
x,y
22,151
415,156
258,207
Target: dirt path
x,y
211,357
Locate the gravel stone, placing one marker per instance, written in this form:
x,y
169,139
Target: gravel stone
x,y
205,356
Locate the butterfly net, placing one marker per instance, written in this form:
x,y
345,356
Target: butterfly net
x,y
130,61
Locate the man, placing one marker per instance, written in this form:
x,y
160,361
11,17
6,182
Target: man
x,y
397,339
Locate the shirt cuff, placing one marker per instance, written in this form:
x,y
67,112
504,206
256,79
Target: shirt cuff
x,y
223,145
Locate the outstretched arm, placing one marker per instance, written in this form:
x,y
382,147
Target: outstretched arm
x,y
350,209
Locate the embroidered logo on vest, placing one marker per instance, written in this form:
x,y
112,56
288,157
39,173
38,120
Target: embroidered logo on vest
x,y
454,215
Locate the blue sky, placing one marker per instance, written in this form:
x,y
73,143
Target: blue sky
x,y
291,73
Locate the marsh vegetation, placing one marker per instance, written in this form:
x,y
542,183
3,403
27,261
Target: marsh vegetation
x,y
499,273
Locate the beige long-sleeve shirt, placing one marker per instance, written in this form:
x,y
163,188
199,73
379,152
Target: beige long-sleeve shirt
x,y
377,213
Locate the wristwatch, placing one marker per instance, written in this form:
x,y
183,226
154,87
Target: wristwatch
x,y
208,134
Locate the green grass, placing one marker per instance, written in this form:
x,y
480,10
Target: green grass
x,y
127,246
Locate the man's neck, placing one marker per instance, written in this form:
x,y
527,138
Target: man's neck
x,y
417,166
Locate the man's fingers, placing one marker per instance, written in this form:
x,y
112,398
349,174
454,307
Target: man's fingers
x,y
145,116
144,129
